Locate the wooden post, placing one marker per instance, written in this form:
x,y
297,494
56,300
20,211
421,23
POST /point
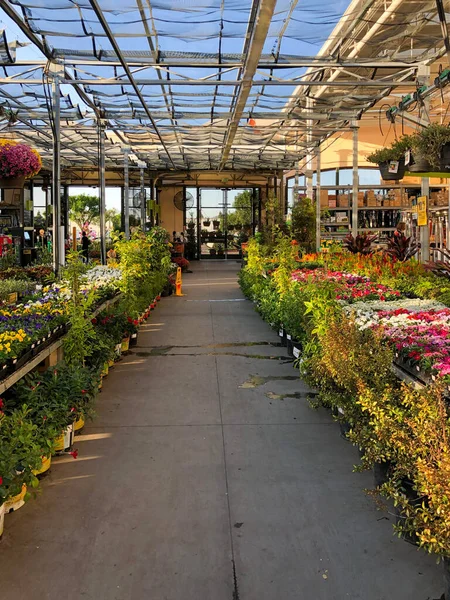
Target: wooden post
x,y
74,238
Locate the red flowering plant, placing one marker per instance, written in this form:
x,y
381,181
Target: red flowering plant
x,y
18,160
181,262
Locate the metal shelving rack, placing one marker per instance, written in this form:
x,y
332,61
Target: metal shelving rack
x,y
338,230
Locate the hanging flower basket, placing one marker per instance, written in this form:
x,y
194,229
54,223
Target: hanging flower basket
x,y
17,163
393,170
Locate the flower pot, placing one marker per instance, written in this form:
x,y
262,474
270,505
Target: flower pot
x,y
422,167
125,346
105,370
79,424
158,297
296,349
445,562
15,502
414,500
2,520
381,472
387,176
65,440
282,336
133,340
289,346
24,359
118,351
12,183
45,466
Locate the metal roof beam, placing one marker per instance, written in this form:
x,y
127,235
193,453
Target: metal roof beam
x,y
264,18
363,63
106,28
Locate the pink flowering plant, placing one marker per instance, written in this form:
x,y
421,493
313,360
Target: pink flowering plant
x,y
348,286
18,160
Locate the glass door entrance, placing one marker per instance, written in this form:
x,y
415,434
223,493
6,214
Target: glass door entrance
x,y
225,220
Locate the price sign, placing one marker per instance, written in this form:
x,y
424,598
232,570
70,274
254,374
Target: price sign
x,y
422,212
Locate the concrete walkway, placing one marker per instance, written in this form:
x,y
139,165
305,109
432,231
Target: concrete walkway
x,y
201,480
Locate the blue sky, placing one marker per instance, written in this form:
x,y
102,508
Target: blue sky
x,y
187,25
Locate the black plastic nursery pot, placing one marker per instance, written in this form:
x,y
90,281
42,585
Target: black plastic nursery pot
x,y
422,168
289,346
414,500
446,565
386,175
282,336
24,358
133,340
381,472
296,349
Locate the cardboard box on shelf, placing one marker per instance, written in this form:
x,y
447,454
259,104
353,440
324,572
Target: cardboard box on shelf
x,y
343,200
361,199
324,198
332,202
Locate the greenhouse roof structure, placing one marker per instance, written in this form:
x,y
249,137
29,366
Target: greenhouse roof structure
x,y
207,84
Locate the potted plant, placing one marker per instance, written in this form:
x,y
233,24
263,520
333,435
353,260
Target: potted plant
x,y
216,224
207,223
220,251
17,162
212,252
430,150
20,454
238,226
391,160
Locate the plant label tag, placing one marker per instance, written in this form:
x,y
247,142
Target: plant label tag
x,y
393,166
281,333
407,157
296,352
289,336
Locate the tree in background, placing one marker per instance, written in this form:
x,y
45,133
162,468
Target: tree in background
x,y
110,218
303,224
84,210
241,211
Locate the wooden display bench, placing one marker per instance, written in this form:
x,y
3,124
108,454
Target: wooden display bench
x,y
49,356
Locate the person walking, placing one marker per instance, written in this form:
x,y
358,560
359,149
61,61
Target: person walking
x,y
85,243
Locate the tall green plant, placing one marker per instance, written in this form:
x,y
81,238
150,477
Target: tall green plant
x,y
77,343
303,224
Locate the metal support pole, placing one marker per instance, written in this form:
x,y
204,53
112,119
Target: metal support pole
x,y
65,212
102,189
58,255
126,193
309,157
423,78
355,187
199,225
143,201
425,230
318,184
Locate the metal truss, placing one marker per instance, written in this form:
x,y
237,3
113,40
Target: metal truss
x,y
177,110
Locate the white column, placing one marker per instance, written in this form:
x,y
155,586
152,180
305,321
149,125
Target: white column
x,y
355,187
318,184
102,190
126,193
58,244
